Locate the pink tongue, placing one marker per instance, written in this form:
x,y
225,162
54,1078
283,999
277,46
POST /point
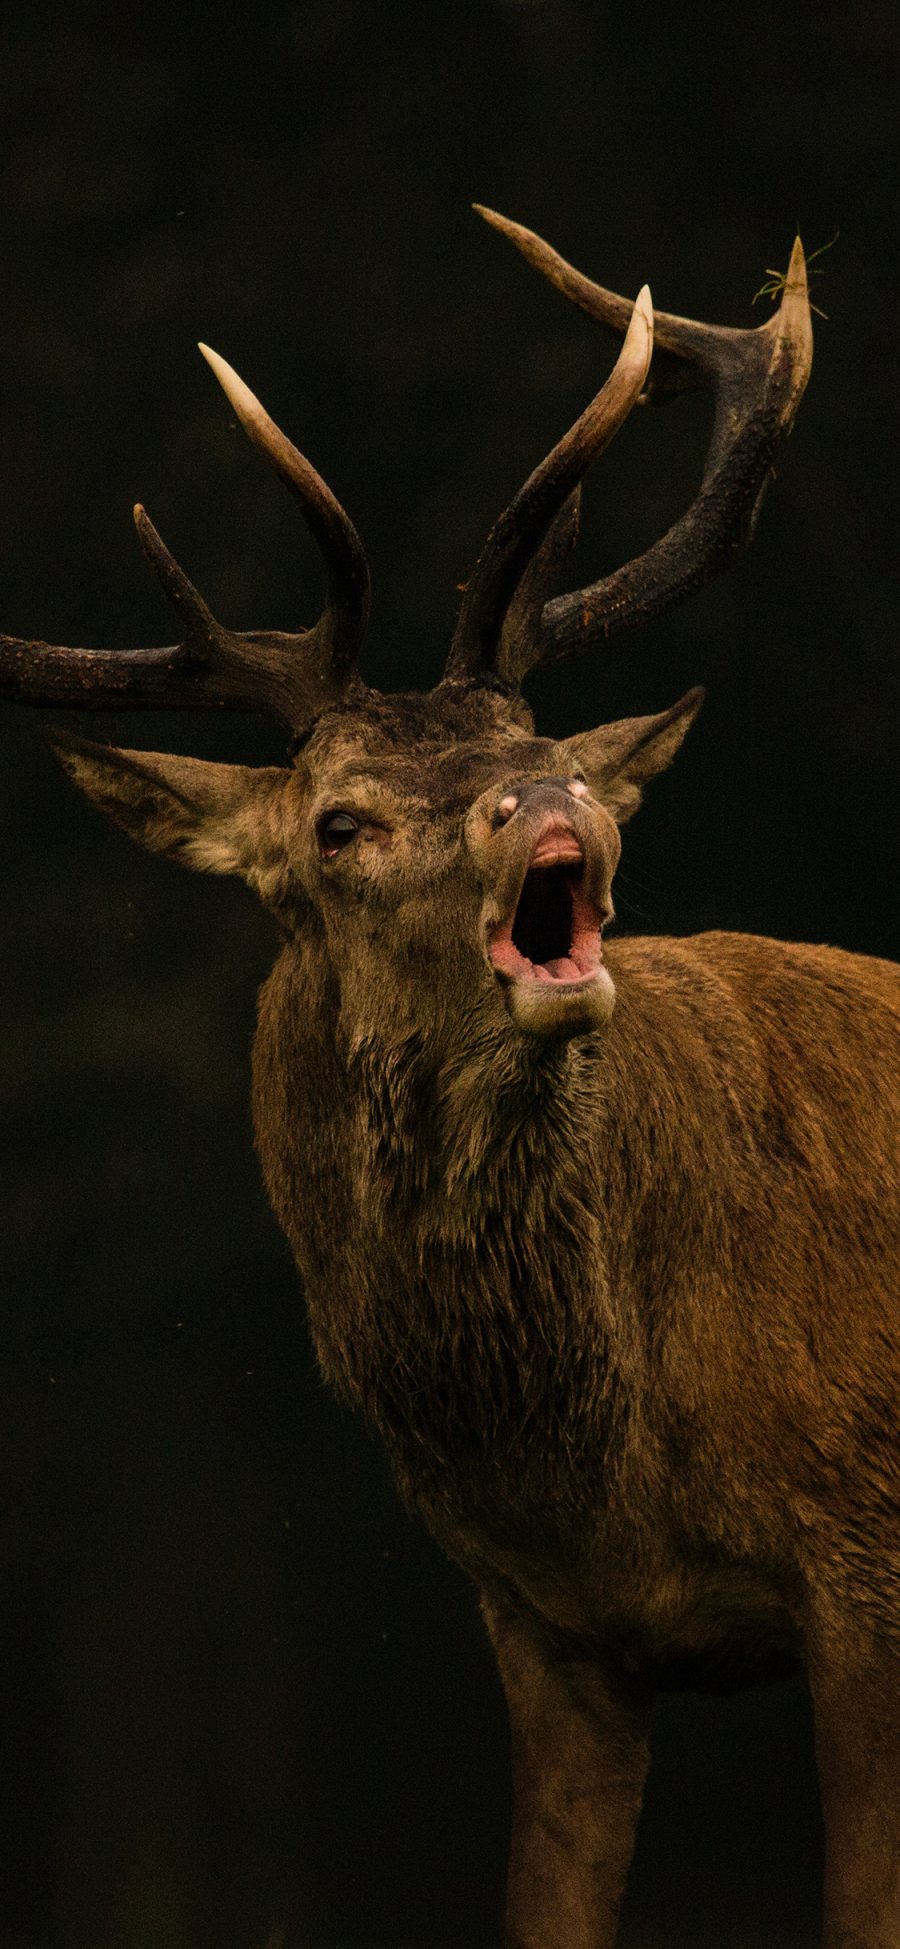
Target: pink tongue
x,y
564,969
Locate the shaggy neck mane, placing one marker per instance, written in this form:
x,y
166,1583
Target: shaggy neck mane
x,y
473,1322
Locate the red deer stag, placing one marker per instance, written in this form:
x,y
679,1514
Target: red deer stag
x,y
601,1238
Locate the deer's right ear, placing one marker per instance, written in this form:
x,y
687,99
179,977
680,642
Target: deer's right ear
x,y
218,818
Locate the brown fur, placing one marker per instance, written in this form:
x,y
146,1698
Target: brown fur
x,y
621,1299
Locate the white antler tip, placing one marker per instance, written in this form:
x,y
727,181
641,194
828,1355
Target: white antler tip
x,y
245,403
796,279
638,346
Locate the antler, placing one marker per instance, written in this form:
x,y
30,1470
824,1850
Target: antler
x,y
478,642
757,378
291,676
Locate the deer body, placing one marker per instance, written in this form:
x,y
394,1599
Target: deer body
x,y
649,1330
602,1239
628,1323
622,1306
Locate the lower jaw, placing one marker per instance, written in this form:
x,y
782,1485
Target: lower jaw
x,y
560,1007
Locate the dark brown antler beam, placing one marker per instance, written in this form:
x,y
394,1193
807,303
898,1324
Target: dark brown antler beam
x,y
290,676
757,378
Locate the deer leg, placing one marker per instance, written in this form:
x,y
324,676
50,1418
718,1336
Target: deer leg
x,y
856,1700
579,1758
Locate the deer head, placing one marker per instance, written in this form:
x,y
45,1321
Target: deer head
x,y
430,856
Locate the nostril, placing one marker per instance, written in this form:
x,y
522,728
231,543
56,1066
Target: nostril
x,y
506,808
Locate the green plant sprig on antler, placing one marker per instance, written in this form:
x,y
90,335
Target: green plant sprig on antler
x,y
776,280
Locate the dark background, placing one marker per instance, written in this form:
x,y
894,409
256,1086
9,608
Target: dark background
x,y
244,1700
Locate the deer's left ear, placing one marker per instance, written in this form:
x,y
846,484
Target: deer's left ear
x,y
618,759
218,818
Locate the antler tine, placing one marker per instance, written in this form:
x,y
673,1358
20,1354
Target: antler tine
x,y
199,621
757,378
344,618
520,636
684,337
184,675
289,676
479,641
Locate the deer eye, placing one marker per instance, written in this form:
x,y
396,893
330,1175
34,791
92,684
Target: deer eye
x,y
336,829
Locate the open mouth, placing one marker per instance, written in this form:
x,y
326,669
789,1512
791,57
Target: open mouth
x,y
554,935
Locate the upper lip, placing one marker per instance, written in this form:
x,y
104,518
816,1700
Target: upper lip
x,y
550,930
556,842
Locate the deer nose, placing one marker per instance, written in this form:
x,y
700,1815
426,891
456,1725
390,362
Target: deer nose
x,y
519,795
